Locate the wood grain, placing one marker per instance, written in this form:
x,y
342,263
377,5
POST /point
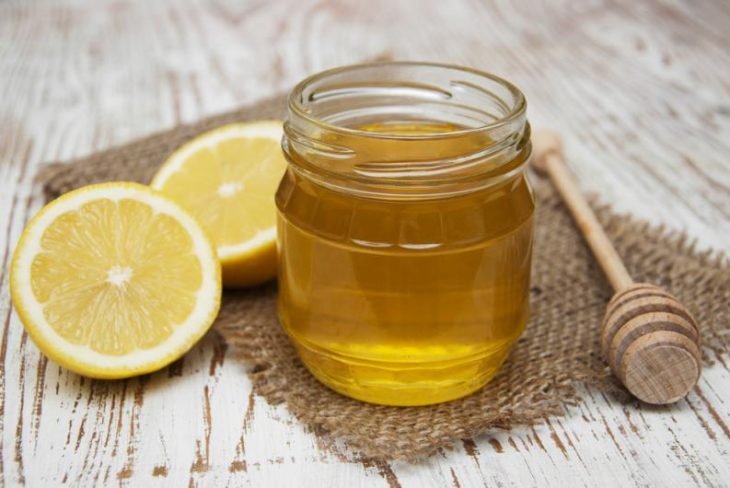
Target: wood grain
x,y
639,91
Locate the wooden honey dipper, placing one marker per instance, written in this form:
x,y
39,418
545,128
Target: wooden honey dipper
x,y
649,339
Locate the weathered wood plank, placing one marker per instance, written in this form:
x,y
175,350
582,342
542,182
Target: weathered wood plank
x,y
639,89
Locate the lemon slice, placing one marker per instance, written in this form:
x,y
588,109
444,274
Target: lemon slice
x,y
227,178
115,280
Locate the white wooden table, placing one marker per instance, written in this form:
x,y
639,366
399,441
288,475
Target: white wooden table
x,y
641,91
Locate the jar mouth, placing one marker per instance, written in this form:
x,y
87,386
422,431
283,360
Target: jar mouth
x,y
475,83
406,129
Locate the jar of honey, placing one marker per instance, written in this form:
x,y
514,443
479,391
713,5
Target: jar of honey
x,y
405,229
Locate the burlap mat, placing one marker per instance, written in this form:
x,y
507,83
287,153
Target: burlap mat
x,y
558,350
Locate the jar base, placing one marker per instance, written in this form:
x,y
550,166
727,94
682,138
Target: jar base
x,y
393,384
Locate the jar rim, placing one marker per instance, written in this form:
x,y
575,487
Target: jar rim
x,y
517,110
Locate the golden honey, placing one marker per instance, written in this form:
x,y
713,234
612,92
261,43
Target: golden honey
x,y
404,237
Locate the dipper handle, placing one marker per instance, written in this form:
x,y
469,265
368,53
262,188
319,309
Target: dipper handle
x,y
650,341
547,158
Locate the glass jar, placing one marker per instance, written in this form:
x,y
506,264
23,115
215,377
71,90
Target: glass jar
x,y
405,229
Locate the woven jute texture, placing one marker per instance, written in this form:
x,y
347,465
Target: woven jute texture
x,y
558,350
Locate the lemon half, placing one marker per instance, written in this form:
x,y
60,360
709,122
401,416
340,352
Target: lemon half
x,y
115,280
227,179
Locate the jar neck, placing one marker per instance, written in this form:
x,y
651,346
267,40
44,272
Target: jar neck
x,y
375,131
